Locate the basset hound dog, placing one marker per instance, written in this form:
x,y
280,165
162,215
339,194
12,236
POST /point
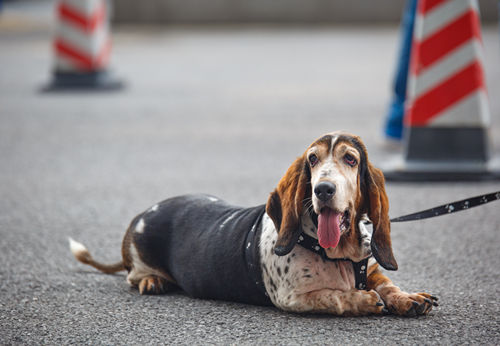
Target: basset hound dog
x,y
307,250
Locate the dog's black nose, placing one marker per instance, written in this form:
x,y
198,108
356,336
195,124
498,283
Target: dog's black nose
x,y
325,191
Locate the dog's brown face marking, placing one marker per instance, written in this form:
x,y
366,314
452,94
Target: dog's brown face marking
x,y
334,178
334,159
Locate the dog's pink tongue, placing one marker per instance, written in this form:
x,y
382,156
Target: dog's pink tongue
x,y
328,228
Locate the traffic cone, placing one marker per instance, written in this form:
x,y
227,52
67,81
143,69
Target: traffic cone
x,y
448,112
82,47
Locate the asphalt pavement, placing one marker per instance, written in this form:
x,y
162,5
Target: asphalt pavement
x,y
222,110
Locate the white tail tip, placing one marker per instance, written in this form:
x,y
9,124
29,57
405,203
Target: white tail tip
x,y
76,247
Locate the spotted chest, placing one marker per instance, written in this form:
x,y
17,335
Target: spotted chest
x,y
301,271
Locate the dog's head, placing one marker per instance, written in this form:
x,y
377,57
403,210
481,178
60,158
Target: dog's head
x,y
337,182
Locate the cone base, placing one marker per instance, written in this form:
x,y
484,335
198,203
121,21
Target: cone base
x,y
401,170
436,144
73,81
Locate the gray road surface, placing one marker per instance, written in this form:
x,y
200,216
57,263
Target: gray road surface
x,y
224,111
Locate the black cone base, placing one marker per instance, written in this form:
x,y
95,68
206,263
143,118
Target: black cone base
x,y
444,154
407,171
71,81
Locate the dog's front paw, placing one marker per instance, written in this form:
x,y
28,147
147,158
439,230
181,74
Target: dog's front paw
x,y
153,285
410,304
371,303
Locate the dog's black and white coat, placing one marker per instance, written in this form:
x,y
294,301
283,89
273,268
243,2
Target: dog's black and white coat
x,y
202,242
213,250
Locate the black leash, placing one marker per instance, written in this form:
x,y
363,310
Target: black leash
x,y
360,271
450,208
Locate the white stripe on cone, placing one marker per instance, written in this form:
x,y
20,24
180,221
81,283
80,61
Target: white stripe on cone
x,y
441,16
89,43
85,7
446,67
66,65
465,113
473,109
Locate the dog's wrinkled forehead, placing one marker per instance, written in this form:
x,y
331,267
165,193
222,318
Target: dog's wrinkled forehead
x,y
331,140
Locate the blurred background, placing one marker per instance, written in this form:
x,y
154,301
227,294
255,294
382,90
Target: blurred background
x,y
218,96
261,11
210,74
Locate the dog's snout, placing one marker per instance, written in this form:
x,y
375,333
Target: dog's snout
x,y
325,190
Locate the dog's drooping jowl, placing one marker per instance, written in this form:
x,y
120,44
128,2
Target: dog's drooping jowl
x,y
306,250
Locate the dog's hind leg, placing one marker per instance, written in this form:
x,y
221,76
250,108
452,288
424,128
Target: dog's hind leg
x,y
147,279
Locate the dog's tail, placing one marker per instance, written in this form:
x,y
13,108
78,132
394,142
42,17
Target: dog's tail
x,y
83,255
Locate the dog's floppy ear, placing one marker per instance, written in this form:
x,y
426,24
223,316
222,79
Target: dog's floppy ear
x,y
378,212
285,204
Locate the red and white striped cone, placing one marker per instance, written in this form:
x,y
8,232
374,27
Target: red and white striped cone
x,y
82,46
448,112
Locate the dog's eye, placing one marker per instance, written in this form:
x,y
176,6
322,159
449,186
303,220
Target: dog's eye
x,y
350,160
313,160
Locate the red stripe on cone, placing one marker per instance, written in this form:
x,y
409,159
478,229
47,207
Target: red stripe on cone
x,y
426,6
446,94
84,61
442,42
88,24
